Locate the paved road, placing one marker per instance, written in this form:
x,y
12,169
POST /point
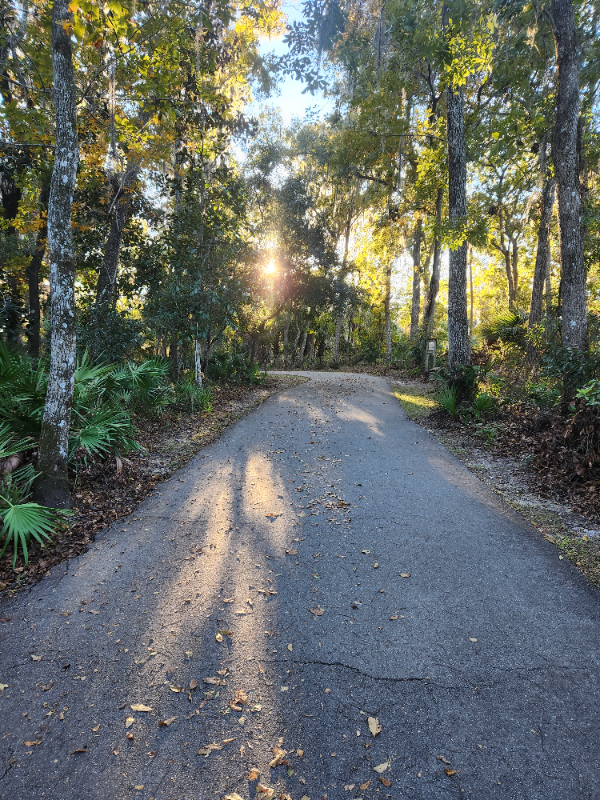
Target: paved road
x,y
292,533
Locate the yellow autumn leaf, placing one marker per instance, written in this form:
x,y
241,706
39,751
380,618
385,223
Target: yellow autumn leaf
x,y
374,725
140,707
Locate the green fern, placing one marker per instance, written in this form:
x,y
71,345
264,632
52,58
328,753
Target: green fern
x,y
23,521
448,399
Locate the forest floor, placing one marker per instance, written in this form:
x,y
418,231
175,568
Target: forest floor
x,y
503,461
323,603
105,491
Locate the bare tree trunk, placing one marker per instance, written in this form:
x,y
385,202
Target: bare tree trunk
x,y
514,265
541,263
566,164
303,348
107,277
416,286
548,278
33,276
336,340
434,284
173,357
459,351
52,485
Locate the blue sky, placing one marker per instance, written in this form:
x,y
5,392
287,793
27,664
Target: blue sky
x,y
290,99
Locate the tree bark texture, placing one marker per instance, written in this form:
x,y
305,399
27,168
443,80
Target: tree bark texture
x,y
541,263
107,277
459,351
416,286
52,485
566,164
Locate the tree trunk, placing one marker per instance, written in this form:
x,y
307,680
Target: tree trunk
x,y
52,485
541,264
416,286
566,164
173,357
303,348
459,351
107,277
434,284
471,311
33,276
514,264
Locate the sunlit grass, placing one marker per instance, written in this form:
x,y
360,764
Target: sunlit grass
x,y
416,400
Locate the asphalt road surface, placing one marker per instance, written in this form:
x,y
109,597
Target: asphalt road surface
x,y
325,562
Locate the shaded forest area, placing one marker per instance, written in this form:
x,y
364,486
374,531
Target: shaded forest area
x,y
166,235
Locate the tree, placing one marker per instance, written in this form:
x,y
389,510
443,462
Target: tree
x,y
52,485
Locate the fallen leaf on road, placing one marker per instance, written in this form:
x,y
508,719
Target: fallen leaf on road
x,y
443,758
129,736
97,728
79,750
175,688
375,564
229,741
193,685
32,744
318,612
140,787
3,686
471,639
207,749
405,574
290,647
364,786
300,753
218,637
129,722
279,756
240,699
253,774
292,552
382,767
256,707
166,722
366,552
233,796
349,786
214,681
385,782
265,792
272,515
36,658
140,707
394,616
450,772
91,611
374,725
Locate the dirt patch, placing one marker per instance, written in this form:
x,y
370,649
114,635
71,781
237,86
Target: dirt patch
x,y
105,491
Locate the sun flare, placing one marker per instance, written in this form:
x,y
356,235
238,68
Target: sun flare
x,y
270,268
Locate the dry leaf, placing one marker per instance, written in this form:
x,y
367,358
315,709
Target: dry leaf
x,y
140,787
233,796
253,774
443,758
394,616
366,552
129,736
32,744
300,753
264,791
140,707
290,647
129,722
207,749
36,658
382,767
97,728
318,612
349,786
471,639
279,756
374,725
450,772
218,637
364,786
3,686
175,688
385,782
292,552
214,681
405,574
166,722
272,515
